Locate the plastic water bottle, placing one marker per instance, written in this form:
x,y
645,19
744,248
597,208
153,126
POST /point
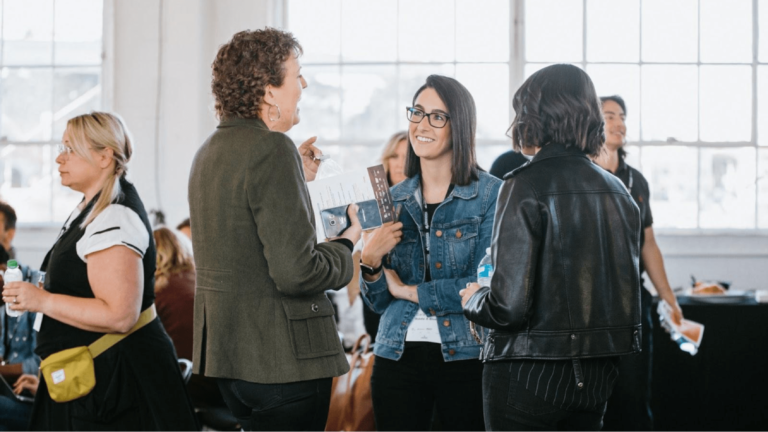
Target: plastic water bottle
x,y
13,274
485,270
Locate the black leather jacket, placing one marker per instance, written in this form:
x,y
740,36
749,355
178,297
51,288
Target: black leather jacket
x,y
566,250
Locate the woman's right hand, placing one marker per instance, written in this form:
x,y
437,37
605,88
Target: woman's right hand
x,y
378,242
26,382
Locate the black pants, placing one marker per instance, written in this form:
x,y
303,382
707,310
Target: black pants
x,y
509,406
629,407
301,405
405,392
371,321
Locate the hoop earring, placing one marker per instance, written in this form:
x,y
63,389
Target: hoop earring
x,y
269,113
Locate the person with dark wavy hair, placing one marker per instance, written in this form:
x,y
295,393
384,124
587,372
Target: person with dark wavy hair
x,y
263,325
564,301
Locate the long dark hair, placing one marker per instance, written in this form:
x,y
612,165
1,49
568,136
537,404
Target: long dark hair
x,y
461,109
558,104
620,101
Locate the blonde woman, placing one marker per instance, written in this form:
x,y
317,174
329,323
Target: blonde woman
x,y
393,157
100,277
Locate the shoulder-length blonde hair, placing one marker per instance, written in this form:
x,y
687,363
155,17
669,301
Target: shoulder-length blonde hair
x,y
100,131
390,150
172,257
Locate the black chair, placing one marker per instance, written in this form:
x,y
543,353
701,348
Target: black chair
x,y
186,369
217,418
212,418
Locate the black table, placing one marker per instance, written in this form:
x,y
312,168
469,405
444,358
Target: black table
x,y
725,385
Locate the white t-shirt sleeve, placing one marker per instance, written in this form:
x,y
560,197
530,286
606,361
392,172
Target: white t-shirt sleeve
x,y
116,225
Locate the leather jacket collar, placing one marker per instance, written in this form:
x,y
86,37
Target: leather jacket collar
x,y
549,151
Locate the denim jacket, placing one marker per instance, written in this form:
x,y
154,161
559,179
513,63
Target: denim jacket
x,y
458,236
20,338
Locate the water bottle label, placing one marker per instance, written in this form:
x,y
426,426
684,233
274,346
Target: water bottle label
x,y
484,271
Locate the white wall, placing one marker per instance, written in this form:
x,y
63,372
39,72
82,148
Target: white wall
x,y
192,32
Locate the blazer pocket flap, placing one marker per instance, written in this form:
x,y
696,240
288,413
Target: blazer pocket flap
x,y
305,308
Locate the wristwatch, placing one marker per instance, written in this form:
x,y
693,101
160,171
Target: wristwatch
x,y
366,269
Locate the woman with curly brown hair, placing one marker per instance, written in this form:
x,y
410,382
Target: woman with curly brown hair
x,y
263,325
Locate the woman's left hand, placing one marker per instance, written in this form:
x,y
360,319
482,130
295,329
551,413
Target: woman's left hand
x,y
26,382
468,292
23,296
398,289
309,160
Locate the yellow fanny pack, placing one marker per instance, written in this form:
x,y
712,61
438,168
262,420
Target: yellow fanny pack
x,y
69,374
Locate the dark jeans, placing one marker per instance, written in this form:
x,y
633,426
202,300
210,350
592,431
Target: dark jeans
x,y
629,407
301,405
405,392
509,406
14,415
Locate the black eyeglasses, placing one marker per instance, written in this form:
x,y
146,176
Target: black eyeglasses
x,y
436,119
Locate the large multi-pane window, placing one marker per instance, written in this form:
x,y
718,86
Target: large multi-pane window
x,y
364,60
691,73
50,71
694,74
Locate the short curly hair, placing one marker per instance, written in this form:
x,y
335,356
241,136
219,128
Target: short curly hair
x,y
245,65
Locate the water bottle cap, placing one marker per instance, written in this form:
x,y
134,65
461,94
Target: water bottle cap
x,y
12,264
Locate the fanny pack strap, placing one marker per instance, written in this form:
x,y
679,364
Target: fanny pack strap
x,y
109,340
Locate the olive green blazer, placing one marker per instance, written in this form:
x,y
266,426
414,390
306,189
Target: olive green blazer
x,y
261,313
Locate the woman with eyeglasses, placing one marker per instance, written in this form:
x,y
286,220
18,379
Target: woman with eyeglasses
x,y
413,270
100,280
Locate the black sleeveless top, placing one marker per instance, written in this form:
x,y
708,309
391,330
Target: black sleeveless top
x,y
67,274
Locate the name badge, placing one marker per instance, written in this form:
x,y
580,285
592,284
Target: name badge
x,y
38,321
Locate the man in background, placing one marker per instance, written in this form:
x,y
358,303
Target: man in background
x,y
17,358
629,407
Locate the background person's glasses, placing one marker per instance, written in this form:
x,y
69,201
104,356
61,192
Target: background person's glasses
x,y
65,150
436,119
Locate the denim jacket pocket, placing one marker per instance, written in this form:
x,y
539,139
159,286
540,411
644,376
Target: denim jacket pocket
x,y
311,326
461,238
404,257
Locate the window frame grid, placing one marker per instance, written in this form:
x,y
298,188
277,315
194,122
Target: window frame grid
x,y
107,7
517,61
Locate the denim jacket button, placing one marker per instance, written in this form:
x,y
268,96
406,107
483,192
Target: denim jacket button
x,y
451,352
431,311
439,233
439,265
447,323
458,233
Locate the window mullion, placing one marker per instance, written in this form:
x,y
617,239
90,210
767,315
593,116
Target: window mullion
x,y
755,137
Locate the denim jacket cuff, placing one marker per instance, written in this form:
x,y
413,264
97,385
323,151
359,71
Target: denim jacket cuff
x,y
375,287
428,298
